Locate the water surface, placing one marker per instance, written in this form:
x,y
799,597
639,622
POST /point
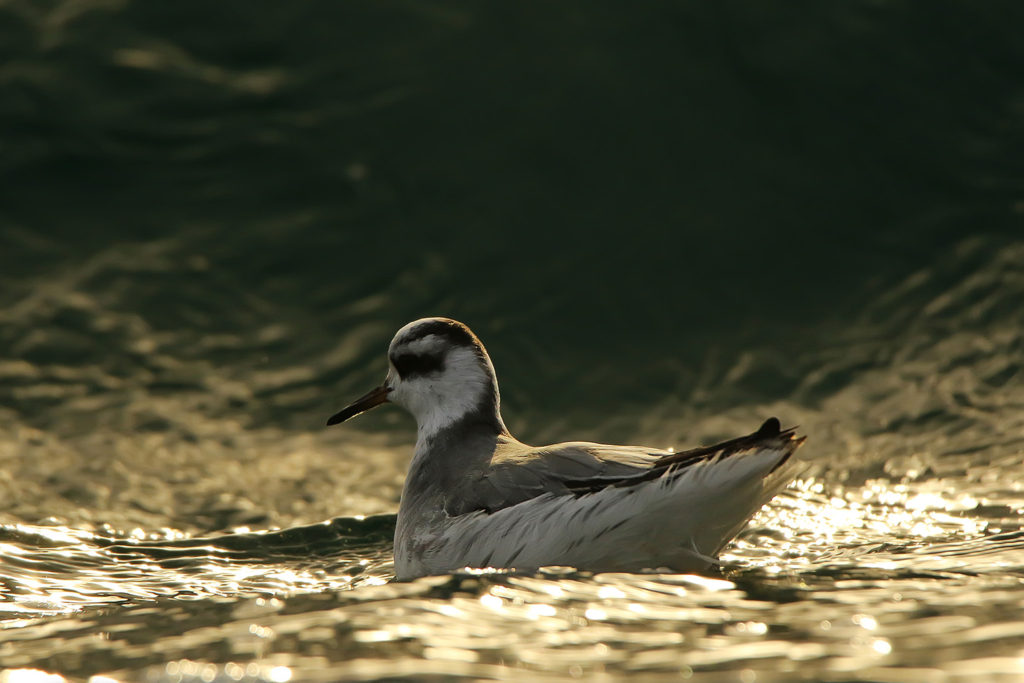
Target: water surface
x,y
666,223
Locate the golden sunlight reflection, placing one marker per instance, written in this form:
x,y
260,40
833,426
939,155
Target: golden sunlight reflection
x,y
812,523
29,676
187,669
83,570
882,554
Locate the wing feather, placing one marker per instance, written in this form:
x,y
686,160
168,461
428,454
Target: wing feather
x,y
518,473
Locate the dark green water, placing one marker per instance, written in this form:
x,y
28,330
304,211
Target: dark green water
x,y
666,221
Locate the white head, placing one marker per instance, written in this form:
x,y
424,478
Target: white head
x,y
439,372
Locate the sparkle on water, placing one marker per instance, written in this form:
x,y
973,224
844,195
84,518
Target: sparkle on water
x,y
827,582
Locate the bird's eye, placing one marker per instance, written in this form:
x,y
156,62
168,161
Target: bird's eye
x,y
411,364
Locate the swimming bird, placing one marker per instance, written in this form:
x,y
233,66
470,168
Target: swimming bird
x,y
477,497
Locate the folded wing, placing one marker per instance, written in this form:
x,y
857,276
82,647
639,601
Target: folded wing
x,y
518,472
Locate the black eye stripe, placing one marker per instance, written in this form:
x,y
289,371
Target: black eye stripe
x,y
411,364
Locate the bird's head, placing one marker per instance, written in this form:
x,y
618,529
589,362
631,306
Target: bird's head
x,y
438,371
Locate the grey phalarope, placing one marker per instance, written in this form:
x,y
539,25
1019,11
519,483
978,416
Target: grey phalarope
x,y
477,497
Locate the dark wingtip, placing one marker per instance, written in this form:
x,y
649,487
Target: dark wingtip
x,y
771,427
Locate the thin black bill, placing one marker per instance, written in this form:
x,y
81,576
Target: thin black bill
x,y
371,400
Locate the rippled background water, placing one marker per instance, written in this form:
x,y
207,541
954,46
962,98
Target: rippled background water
x,y
667,221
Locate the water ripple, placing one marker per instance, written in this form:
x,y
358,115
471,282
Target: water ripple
x,y
801,593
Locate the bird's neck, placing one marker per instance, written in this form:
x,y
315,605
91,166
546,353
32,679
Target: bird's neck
x,y
444,463
437,425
